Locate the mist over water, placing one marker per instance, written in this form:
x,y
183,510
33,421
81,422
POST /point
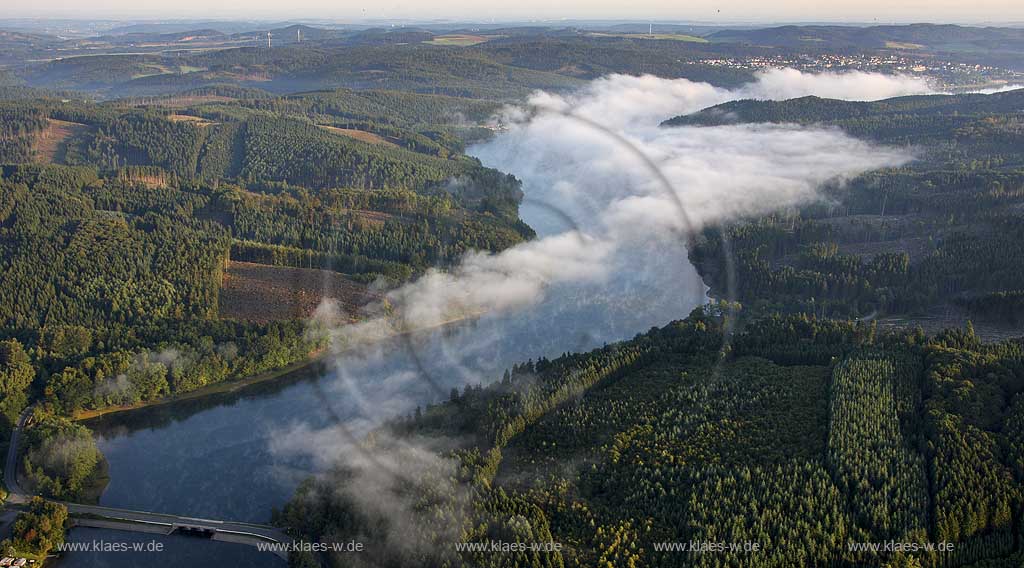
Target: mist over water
x,y
238,459
609,262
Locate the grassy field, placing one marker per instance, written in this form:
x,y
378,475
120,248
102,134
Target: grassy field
x,y
674,37
459,40
903,45
361,135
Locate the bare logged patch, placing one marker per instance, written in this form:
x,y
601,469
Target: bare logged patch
x,y
367,217
361,135
574,70
261,293
51,144
254,75
180,102
950,316
917,248
198,121
152,181
373,218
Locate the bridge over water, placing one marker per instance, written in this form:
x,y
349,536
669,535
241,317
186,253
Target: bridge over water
x,y
142,521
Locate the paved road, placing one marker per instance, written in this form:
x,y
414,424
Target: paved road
x,y
142,521
15,494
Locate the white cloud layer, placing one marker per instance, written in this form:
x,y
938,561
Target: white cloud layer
x,y
600,157
596,177
778,84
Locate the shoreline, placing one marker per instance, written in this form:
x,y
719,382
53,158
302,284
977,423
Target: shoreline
x,y
222,387
226,387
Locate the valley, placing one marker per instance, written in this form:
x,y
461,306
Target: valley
x,y
636,290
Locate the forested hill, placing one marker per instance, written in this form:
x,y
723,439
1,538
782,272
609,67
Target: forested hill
x,y
937,240
590,58
490,62
807,110
292,68
945,131
319,145
154,246
805,437
945,37
502,69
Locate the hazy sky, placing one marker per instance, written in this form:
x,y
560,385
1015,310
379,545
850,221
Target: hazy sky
x,y
990,11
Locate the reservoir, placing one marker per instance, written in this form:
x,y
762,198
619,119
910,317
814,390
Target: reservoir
x,y
226,456
238,456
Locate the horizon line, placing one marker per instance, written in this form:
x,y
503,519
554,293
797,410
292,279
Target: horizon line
x,y
156,18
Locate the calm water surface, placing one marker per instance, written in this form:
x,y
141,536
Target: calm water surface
x,y
229,456
222,457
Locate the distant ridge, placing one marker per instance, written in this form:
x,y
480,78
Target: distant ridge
x,y
936,36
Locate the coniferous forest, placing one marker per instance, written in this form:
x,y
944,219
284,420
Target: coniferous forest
x,y
806,436
115,247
